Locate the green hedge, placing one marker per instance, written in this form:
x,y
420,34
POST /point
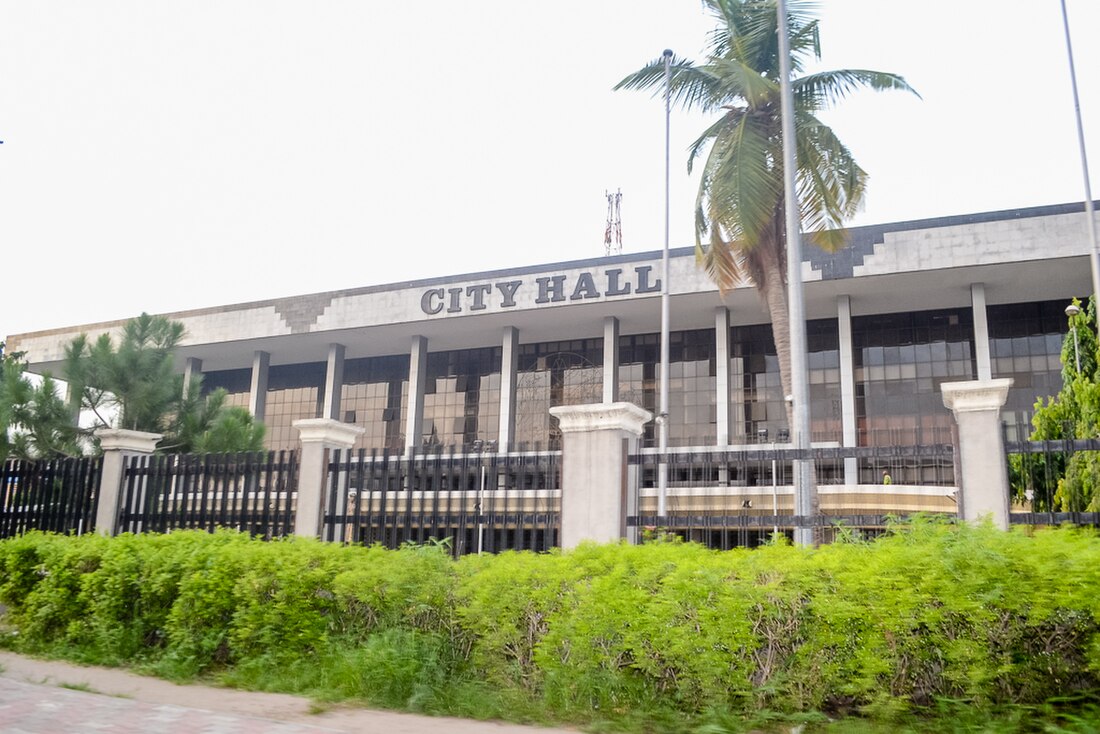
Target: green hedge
x,y
925,624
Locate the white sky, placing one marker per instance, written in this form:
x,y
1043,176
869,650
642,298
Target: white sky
x,y
162,156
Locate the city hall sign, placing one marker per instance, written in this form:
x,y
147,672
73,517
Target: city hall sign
x,y
547,289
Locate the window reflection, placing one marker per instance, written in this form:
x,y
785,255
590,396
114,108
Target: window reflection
x,y
551,374
375,396
461,398
692,414
294,392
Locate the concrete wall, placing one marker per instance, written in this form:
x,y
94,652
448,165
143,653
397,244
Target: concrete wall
x,y
908,247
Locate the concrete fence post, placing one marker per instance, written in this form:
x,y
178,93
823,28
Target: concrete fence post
x,y
318,436
596,481
118,445
983,484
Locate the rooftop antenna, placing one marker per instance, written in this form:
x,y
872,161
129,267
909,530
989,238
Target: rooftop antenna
x,y
613,234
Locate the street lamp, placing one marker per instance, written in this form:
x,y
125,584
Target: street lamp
x,y
480,446
1072,310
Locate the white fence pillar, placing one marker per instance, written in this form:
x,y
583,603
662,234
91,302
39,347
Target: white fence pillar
x,y
318,436
118,445
983,486
596,482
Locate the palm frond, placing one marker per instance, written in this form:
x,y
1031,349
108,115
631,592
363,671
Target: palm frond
x,y
825,89
722,261
736,80
831,184
743,184
739,202
691,86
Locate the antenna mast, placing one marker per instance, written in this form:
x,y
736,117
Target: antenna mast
x,y
613,234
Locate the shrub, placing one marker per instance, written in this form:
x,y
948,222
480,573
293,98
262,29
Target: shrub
x,y
947,623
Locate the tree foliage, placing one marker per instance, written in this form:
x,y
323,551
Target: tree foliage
x,y
739,211
1056,481
134,385
35,422
204,424
135,379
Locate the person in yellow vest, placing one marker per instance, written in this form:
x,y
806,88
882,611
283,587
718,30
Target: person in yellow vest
x,y
886,479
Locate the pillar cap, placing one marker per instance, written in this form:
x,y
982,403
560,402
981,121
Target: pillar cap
x,y
976,395
601,417
121,439
327,431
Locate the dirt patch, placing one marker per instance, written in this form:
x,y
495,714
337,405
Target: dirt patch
x,y
275,706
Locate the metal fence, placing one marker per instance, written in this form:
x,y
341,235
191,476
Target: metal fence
x,y
1036,470
251,492
476,502
57,495
740,497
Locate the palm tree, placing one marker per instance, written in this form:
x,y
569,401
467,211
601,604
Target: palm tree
x,y
739,209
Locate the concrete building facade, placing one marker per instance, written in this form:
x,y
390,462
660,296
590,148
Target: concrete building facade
x,y
481,358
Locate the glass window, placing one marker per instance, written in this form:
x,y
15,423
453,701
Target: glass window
x,y
375,395
461,398
902,404
294,391
756,392
236,383
1025,341
551,374
693,415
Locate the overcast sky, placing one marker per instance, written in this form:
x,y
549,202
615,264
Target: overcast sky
x,y
162,156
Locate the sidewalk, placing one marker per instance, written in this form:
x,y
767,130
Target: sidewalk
x,y
45,697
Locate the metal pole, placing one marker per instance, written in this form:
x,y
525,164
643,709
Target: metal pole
x,y
1076,351
804,504
662,416
480,509
1071,312
1094,245
775,494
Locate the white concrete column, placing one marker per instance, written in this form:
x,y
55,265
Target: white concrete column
x,y
318,436
192,371
509,362
597,484
610,359
418,368
722,374
981,331
257,396
334,382
118,445
983,486
849,434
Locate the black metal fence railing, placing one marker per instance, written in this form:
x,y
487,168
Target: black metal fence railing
x,y
474,501
57,495
740,497
1049,477
1054,519
251,492
929,464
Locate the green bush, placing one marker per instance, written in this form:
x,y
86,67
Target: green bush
x,y
930,623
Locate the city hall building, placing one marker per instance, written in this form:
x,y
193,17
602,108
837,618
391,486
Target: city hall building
x,y
479,359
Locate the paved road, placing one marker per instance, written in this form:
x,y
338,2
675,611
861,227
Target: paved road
x,y
48,697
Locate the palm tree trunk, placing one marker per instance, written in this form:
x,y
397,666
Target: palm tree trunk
x,y
773,290
772,284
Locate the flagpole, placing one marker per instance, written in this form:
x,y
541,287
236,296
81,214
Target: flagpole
x,y
662,415
1094,245
804,490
